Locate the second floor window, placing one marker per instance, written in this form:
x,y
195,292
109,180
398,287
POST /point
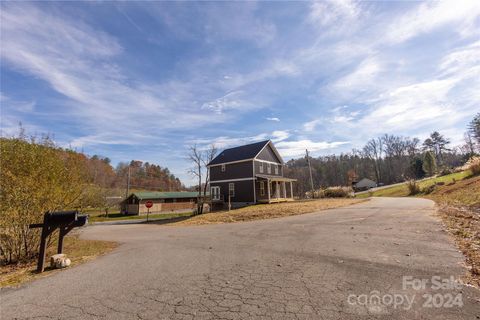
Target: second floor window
x,y
276,169
223,168
269,168
260,169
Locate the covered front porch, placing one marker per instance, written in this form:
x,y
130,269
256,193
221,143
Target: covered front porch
x,y
272,189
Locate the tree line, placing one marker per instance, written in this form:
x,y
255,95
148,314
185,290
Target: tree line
x,y
37,176
386,159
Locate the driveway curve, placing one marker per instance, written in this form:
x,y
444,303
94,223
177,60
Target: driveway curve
x,y
365,261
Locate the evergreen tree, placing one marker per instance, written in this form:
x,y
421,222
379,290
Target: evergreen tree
x,y
416,168
429,163
474,127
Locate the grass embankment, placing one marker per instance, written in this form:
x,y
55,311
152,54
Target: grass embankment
x,y
459,207
457,197
77,250
401,190
268,211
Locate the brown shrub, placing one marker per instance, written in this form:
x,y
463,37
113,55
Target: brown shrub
x,y
337,192
413,187
474,165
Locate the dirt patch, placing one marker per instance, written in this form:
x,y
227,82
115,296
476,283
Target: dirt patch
x,y
464,225
268,211
77,250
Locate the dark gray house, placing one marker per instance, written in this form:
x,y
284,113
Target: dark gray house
x,y
249,174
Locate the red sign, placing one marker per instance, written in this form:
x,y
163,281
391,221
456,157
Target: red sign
x,y
149,204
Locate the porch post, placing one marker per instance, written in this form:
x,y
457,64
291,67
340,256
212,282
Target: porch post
x,y
284,186
277,190
268,188
291,189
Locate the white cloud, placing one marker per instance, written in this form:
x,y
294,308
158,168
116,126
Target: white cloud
x,y
231,100
360,78
273,119
331,12
432,15
311,125
461,60
279,135
78,62
297,148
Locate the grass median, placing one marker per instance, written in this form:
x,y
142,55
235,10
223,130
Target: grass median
x,y
268,211
76,249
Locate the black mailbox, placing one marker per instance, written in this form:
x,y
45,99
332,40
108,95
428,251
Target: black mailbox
x,y
65,221
61,218
82,219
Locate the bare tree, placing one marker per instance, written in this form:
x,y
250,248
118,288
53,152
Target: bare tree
x,y
373,150
469,146
208,156
195,156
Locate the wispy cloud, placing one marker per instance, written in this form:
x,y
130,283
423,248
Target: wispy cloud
x,y
275,119
296,148
429,16
310,125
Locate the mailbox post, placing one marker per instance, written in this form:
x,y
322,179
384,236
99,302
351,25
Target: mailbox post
x,y
65,221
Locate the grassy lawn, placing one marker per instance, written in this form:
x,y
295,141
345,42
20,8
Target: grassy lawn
x,y
119,216
402,190
78,250
268,211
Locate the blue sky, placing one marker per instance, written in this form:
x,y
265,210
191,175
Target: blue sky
x,y
144,80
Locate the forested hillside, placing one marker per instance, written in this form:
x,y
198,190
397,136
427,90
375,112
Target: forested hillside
x,y
387,159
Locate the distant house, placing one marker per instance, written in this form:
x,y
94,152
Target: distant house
x,y
163,202
249,174
364,184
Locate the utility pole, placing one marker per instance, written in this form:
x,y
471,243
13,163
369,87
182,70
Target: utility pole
x,y
310,169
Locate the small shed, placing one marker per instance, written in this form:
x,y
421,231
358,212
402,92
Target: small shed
x,y
364,184
163,202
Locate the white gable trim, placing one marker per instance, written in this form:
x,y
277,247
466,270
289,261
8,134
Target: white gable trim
x,y
274,151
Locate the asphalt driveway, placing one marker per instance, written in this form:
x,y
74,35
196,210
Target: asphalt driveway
x,y
374,260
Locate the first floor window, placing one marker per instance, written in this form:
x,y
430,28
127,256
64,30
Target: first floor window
x,y
231,189
215,193
262,188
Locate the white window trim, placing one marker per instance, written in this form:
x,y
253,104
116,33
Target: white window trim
x,y
262,188
215,195
231,187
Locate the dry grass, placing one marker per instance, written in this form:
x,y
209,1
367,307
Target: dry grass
x,y
268,211
78,250
459,208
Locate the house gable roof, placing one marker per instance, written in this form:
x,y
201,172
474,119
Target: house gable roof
x,y
240,153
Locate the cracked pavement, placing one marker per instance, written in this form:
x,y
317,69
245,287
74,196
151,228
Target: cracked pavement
x,y
300,267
